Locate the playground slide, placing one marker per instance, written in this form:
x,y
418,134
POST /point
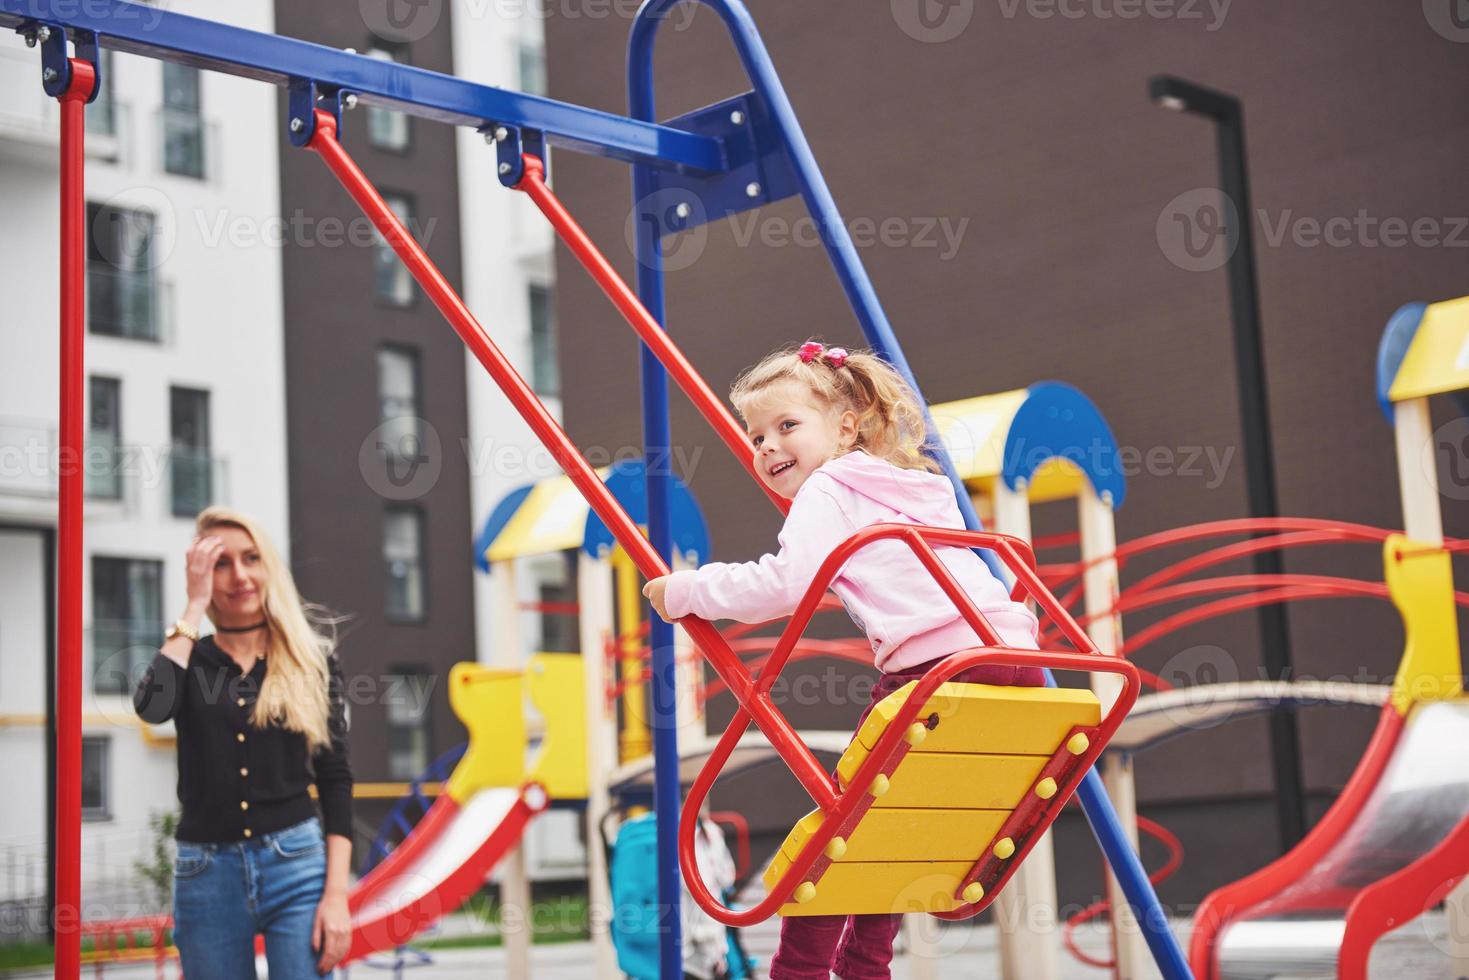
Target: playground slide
x,y
444,861
1392,846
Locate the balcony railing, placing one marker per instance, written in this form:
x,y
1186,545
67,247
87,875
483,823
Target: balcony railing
x,y
28,116
135,305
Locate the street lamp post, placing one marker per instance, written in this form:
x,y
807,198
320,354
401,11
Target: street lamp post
x,y
1254,404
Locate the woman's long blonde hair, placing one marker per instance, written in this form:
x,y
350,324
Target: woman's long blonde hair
x,y
295,693
890,422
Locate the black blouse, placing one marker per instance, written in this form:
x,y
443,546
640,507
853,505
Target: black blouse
x,y
237,780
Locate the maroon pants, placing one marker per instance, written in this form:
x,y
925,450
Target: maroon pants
x,y
860,947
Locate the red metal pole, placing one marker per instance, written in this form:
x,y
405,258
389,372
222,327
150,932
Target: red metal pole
x,y
68,705
647,328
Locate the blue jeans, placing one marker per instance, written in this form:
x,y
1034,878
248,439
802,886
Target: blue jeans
x,y
226,894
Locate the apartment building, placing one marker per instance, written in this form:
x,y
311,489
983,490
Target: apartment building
x,y
185,401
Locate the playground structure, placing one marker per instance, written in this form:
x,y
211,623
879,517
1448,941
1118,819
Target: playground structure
x,y
737,154
731,156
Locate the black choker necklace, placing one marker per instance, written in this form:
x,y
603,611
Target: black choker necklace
x,y
240,629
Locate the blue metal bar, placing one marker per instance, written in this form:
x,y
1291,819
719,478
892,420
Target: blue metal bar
x,y
657,471
1124,861
157,33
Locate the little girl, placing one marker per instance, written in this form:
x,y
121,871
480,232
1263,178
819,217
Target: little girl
x,y
841,436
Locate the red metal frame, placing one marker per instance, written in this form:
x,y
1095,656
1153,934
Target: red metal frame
x,y
69,494
845,808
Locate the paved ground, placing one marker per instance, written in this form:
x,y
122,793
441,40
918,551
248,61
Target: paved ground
x,y
963,952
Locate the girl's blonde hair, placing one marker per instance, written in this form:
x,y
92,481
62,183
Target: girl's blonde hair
x,y
890,422
295,691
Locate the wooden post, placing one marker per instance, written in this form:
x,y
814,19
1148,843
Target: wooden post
x,y
1025,911
594,599
515,905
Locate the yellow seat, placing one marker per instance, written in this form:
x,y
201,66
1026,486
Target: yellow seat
x,y
983,768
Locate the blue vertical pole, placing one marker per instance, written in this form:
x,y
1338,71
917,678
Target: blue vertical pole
x,y
658,460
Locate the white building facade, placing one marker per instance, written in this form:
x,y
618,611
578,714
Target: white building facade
x,y
186,407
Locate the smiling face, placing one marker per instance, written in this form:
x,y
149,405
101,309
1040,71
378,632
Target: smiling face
x,y
793,436
239,578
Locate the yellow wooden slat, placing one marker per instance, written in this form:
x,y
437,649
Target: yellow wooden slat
x,y
989,719
908,834
968,780
877,888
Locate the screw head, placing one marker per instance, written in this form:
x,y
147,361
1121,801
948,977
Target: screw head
x,y
504,169
30,40
49,75
737,117
297,124
350,101
752,189
43,33
350,50
501,134
683,210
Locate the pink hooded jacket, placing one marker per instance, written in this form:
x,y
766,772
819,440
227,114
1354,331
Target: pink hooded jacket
x,y
905,614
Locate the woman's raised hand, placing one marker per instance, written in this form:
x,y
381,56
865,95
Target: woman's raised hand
x,y
203,553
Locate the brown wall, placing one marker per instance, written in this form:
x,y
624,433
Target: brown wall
x,y
334,327
1039,134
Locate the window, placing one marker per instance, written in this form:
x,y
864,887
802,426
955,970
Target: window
x,y
392,279
558,625
104,439
122,291
409,749
96,770
532,68
403,561
545,375
191,486
102,113
399,410
386,129
127,620
183,129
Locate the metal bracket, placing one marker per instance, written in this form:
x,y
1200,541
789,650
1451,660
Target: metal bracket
x,y
304,97
511,145
757,168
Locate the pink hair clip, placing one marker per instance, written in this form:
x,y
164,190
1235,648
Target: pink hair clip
x,y
809,351
836,356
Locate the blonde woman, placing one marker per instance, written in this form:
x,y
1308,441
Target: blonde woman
x,y
260,714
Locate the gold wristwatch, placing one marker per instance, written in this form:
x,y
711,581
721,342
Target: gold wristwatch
x,y
181,628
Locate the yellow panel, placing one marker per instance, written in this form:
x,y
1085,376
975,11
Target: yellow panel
x,y
975,430
905,834
1422,587
1438,359
876,888
970,781
1055,479
990,719
552,517
557,687
488,702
